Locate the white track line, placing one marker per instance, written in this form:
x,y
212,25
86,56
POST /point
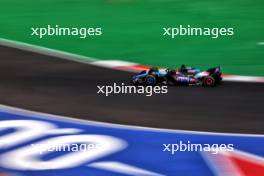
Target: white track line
x,y
45,116
237,78
112,64
46,51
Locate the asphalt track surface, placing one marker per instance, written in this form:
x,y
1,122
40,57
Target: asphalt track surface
x,y
57,86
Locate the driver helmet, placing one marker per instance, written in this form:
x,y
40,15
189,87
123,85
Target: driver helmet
x,y
183,68
153,69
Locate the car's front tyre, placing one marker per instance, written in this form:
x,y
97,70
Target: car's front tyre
x,y
150,80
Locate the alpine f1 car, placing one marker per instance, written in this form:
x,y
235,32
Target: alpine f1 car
x,y
182,76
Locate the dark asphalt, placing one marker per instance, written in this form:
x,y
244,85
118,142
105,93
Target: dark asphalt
x,y
51,85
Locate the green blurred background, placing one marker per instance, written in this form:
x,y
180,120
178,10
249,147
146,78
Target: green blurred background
x,y
133,30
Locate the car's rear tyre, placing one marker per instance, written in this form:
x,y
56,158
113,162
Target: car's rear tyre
x,y
209,81
150,80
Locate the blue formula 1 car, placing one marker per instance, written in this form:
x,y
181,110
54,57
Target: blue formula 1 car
x,y
183,76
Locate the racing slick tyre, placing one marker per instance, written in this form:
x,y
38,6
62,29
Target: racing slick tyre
x,y
209,81
150,80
